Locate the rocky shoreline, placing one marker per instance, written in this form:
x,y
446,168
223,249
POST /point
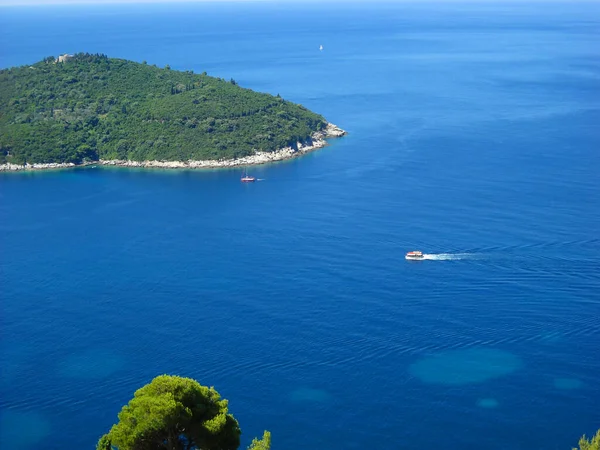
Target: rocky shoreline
x,y
317,140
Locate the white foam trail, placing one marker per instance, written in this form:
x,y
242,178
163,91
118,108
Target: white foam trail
x,y
448,256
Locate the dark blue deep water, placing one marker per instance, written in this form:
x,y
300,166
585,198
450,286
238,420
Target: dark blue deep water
x,y
473,135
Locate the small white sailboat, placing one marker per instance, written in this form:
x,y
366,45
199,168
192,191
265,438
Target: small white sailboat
x,y
321,47
246,178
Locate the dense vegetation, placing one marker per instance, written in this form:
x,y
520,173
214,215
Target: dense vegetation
x,y
92,107
175,413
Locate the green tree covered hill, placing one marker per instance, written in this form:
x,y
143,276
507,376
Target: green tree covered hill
x,y
92,107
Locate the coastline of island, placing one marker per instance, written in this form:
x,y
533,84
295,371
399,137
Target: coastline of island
x,y
318,140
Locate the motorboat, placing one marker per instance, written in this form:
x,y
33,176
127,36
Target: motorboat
x,y
415,255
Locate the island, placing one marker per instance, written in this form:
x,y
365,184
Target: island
x,y
91,109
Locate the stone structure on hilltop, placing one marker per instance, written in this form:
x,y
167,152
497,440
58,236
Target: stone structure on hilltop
x,y
63,58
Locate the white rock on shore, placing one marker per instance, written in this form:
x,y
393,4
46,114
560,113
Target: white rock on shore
x,y
318,140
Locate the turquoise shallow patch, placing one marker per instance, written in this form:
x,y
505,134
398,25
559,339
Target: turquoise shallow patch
x,y
310,395
458,367
567,383
21,430
488,403
91,364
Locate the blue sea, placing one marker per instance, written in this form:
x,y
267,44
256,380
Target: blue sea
x,y
474,136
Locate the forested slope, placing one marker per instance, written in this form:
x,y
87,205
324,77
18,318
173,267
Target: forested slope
x,y
92,107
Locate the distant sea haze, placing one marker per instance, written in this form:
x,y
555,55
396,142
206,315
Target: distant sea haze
x,y
472,137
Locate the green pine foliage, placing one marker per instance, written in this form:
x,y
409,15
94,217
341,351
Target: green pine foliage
x,y
174,413
92,107
593,444
262,444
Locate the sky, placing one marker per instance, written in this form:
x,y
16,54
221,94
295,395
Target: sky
x,y
76,2
73,2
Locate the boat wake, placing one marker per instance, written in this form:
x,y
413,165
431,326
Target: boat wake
x,y
448,256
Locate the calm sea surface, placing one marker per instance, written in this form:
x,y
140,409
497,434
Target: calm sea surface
x,y
473,136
